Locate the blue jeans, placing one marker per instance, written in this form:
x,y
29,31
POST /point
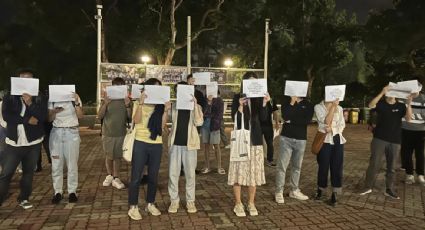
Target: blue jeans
x,y
291,150
179,155
28,156
331,158
64,144
144,153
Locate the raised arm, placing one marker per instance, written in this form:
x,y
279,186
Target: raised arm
x,y
372,104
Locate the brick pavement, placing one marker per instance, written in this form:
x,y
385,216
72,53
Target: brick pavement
x,y
106,208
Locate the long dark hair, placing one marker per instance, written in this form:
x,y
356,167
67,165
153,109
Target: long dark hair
x,y
256,103
155,120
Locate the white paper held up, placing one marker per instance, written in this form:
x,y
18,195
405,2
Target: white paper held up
x,y
60,93
202,78
255,87
116,92
185,94
20,85
212,89
136,91
296,88
333,92
157,94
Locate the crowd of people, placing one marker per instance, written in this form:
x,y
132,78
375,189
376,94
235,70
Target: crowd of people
x,y
25,127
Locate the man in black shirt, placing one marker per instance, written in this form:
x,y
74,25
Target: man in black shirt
x,y
267,131
386,139
296,115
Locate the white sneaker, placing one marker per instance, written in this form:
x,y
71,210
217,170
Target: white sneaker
x,y
365,192
25,204
151,208
421,179
239,210
134,213
279,198
108,180
297,194
174,206
410,179
227,146
252,210
117,183
191,208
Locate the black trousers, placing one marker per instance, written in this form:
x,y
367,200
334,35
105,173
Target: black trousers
x,y
28,156
412,141
267,131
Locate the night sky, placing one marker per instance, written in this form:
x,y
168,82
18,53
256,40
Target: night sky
x,y
362,7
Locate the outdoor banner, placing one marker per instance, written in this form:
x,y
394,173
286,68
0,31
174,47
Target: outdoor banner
x,y
218,75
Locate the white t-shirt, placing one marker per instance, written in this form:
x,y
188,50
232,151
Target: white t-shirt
x,y
22,136
67,118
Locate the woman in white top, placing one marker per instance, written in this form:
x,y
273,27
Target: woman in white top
x,y
330,119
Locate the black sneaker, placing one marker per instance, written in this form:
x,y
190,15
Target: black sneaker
x,y
333,200
391,194
57,198
318,195
72,198
271,164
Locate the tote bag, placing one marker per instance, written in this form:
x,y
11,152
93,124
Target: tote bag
x,y
240,142
127,147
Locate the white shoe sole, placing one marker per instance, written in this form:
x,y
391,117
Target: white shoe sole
x,y
153,214
239,214
366,192
134,218
298,198
192,211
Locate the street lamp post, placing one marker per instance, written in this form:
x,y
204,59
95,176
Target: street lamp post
x,y
228,62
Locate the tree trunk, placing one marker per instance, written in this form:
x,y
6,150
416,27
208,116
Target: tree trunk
x,y
169,57
310,78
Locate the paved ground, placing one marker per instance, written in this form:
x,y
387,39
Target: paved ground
x,y
104,207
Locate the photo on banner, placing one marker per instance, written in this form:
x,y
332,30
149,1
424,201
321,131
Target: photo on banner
x,y
131,73
255,87
61,93
296,88
333,92
166,74
20,85
185,94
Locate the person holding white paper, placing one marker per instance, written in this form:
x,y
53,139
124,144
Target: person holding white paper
x,y
114,116
200,98
210,131
24,116
296,114
330,119
65,146
149,122
183,146
386,140
248,173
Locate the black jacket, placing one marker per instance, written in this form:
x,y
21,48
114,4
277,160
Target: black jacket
x,y
253,122
299,116
11,109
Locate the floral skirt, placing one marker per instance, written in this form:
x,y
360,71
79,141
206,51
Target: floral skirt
x,y
250,172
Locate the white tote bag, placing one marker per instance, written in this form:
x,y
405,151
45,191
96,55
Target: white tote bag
x,y
127,147
240,142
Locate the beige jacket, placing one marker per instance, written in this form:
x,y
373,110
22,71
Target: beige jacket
x,y
196,119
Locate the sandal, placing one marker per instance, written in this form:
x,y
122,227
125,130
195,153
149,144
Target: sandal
x,y
205,170
221,171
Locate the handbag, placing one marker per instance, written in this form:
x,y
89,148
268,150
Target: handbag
x,y
127,147
240,142
318,142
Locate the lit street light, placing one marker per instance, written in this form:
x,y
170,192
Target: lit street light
x,y
228,62
145,59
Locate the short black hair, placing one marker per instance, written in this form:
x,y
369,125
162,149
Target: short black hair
x,y
189,76
118,81
25,70
152,81
179,83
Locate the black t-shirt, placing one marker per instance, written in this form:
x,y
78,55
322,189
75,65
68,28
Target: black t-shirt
x,y
388,123
183,117
271,108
